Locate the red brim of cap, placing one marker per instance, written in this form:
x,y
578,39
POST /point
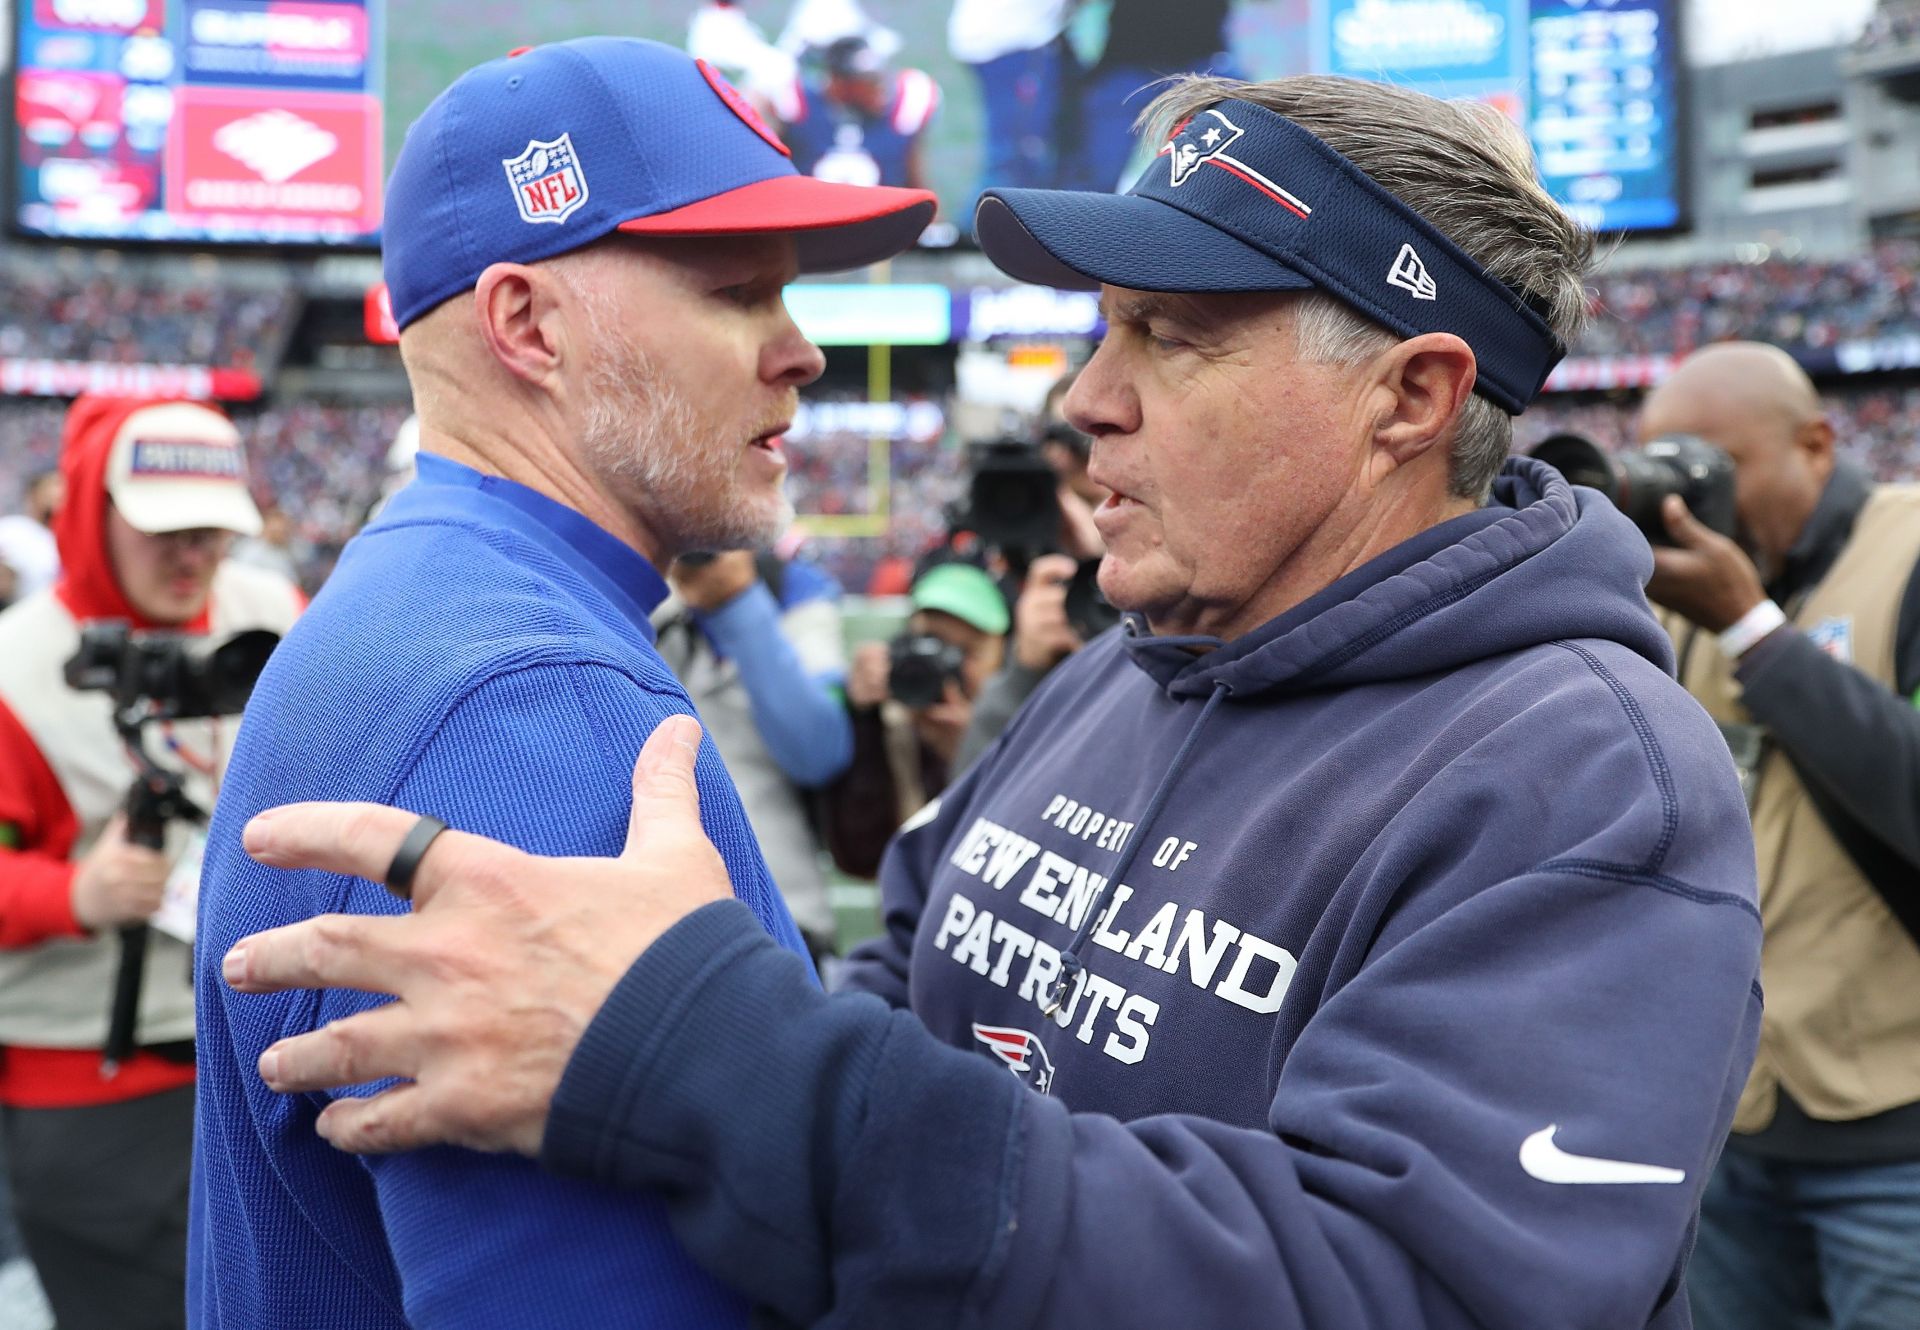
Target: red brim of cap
x,y
837,226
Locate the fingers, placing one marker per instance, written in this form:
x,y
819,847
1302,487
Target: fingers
x,y
1681,524
363,952
147,869
360,840
355,839
386,1123
370,1046
1053,569
663,782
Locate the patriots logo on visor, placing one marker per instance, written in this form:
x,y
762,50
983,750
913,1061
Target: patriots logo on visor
x,y
1206,135
1204,141
1022,1051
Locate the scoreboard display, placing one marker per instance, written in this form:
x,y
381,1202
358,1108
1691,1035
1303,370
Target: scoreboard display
x,y
1595,83
206,121
1604,110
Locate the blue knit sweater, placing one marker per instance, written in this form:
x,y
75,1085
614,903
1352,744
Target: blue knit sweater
x,y
483,654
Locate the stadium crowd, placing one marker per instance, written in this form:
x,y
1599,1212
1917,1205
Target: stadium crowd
x,y
99,307
324,464
1662,311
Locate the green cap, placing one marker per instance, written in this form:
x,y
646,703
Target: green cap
x,y
965,592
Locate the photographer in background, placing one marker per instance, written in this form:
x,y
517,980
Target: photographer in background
x,y
27,546
912,702
1803,641
757,641
1055,611
156,490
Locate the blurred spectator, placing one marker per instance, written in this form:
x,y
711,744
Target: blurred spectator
x,y
98,1140
275,549
758,643
816,24
27,546
1147,40
721,34
864,124
912,701
1019,52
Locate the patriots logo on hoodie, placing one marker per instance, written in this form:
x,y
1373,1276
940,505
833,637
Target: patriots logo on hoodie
x,y
1022,1051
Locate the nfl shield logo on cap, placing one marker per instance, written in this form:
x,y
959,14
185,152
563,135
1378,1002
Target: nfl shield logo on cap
x,y
548,184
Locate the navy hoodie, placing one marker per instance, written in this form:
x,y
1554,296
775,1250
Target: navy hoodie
x,y
1420,979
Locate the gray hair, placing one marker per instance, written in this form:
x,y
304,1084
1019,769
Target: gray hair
x,y
1461,165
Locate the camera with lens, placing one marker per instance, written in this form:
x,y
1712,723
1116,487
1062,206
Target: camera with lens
x,y
919,666
157,677
1013,505
1639,482
170,676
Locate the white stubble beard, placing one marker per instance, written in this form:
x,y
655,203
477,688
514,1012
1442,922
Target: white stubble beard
x,y
641,431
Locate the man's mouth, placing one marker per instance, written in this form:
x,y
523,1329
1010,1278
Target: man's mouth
x,y
773,440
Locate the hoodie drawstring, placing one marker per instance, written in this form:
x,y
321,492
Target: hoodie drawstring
x,y
1071,966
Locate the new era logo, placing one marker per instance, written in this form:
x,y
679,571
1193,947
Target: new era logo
x,y
548,184
1409,273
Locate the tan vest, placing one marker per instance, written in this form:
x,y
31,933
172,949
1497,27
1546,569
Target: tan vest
x,y
56,995
1842,976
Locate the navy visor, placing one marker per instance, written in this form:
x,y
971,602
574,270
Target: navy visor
x,y
1243,199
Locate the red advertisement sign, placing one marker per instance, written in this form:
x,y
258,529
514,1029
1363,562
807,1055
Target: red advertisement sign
x,y
302,157
70,378
124,17
65,110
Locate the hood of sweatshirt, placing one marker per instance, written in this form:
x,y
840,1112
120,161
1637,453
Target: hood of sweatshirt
x,y
87,583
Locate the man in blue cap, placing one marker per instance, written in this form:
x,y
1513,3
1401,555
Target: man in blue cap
x,y
586,246
1363,936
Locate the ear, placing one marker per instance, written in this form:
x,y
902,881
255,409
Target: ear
x,y
1421,385
518,313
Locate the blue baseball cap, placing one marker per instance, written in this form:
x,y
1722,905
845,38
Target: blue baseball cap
x,y
556,146
1242,199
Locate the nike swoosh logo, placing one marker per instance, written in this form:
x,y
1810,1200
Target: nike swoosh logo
x,y
1544,1160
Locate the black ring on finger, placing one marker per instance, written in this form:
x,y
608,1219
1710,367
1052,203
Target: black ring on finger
x,y
406,859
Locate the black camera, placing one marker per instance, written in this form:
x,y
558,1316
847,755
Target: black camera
x,y
918,667
1639,482
1013,505
174,676
157,677
1013,497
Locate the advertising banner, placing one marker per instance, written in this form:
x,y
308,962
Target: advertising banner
x,y
301,157
1451,48
277,43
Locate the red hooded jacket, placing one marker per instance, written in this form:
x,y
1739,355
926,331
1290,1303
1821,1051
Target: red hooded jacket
x,y
38,827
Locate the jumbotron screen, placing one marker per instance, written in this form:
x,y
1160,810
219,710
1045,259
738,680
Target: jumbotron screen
x,y
239,121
